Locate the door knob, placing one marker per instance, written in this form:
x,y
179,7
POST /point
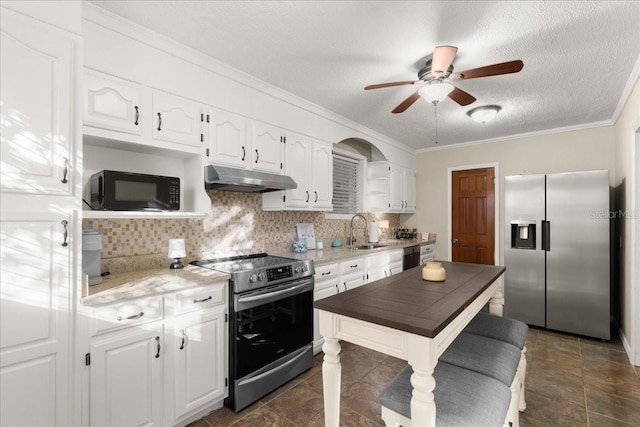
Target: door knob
x,y
454,241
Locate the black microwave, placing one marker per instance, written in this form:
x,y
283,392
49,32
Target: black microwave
x,y
126,191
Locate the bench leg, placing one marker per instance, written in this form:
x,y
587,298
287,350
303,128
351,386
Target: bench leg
x,y
522,368
513,416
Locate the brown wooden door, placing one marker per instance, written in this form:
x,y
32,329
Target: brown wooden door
x,y
473,216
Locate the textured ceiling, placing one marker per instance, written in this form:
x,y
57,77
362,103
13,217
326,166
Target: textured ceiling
x,y
578,56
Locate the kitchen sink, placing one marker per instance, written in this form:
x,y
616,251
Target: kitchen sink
x,y
370,246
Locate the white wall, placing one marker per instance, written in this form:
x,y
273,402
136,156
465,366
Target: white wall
x,y
562,152
624,141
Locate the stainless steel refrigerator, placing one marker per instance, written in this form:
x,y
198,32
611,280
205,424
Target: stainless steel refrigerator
x,y
557,251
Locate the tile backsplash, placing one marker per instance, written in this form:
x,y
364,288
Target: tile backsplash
x,y
237,225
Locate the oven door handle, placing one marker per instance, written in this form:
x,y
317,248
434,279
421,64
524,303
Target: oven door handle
x,y
252,301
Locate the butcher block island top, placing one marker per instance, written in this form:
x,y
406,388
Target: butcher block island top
x,y
408,303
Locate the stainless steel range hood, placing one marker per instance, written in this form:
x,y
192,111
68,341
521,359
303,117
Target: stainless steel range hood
x,y
246,181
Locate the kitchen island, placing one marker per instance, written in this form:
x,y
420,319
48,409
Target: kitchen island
x,y
408,318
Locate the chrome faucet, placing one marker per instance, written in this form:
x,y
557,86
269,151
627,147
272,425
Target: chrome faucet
x,y
352,239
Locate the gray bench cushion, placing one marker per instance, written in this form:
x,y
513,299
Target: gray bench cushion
x,y
462,397
500,328
494,358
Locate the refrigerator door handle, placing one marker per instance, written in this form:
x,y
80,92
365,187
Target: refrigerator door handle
x,y
546,236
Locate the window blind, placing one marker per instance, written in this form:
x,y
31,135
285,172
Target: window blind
x,y
347,184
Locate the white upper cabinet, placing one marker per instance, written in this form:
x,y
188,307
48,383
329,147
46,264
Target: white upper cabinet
x,y
37,110
310,164
123,111
322,176
390,188
266,148
228,140
177,119
111,103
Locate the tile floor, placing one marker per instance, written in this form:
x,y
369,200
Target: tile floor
x,y
571,381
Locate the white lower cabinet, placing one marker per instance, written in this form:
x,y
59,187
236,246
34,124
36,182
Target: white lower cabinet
x,y
426,253
384,264
126,377
167,371
195,370
352,274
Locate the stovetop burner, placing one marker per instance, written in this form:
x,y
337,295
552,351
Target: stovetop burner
x,y
258,270
244,262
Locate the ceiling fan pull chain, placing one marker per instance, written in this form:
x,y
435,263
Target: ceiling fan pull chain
x,y
435,109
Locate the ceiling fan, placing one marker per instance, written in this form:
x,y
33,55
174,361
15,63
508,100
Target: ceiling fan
x,y
439,71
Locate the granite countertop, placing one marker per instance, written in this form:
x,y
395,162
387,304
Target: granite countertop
x,y
143,283
330,254
406,302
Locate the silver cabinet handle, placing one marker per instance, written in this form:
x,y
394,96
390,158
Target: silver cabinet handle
x,y
65,232
158,352
195,301
243,153
184,336
137,115
257,156
135,316
65,171
159,121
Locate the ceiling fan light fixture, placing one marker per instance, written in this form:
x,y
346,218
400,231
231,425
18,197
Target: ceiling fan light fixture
x,y
435,92
485,113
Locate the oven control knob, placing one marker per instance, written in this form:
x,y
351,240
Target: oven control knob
x,y
297,269
261,276
253,278
305,267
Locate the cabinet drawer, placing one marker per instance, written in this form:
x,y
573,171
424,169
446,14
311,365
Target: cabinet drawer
x,y
352,265
196,299
325,272
427,249
122,315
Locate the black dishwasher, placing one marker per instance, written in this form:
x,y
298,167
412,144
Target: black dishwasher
x,y
411,257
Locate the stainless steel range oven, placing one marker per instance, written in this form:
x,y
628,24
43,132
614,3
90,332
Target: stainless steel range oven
x,y
271,323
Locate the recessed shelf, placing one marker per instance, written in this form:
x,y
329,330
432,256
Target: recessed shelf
x,y
139,215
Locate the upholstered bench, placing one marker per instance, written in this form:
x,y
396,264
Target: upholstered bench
x,y
508,330
493,358
462,397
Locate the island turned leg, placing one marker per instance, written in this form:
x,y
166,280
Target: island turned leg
x,y
423,360
331,372
496,304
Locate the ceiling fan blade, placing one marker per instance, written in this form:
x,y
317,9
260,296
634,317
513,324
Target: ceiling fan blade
x,y
442,57
461,97
492,70
406,103
381,85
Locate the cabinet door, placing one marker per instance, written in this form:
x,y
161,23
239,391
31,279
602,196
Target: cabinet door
x,y
228,140
351,281
409,190
126,378
34,320
266,148
176,120
37,112
114,104
297,164
322,176
396,188
198,346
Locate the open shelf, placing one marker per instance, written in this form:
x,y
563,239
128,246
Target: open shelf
x,y
139,215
